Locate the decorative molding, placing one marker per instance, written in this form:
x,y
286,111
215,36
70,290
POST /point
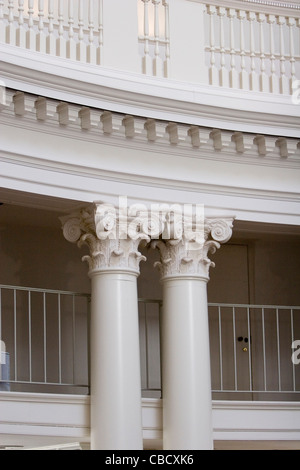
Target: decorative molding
x,y
188,256
111,248
148,97
96,125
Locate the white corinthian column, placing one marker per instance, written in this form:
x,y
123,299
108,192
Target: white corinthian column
x,y
186,376
114,259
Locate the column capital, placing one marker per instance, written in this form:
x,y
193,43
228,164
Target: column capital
x,y
188,256
112,238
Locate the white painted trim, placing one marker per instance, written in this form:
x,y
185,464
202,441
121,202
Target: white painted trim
x,y
151,97
49,418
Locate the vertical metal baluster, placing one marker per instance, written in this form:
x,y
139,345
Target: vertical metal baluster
x,y
278,350
147,349
1,314
15,335
234,349
220,347
293,338
45,336
160,344
59,339
264,348
249,349
88,340
29,337
74,336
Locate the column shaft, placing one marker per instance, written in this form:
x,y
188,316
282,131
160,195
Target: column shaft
x,y
116,421
187,414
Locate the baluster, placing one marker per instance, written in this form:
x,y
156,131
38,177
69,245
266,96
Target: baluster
x,y
244,76
254,85
2,27
10,28
30,34
91,49
157,62
81,47
100,46
264,82
41,37
274,82
167,38
71,45
213,72
21,33
146,63
224,76
51,43
233,75
284,82
291,24
61,46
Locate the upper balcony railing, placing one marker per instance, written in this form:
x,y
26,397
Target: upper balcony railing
x,y
251,45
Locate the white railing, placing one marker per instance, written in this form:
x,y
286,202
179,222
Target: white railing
x,y
154,37
251,50
71,29
250,46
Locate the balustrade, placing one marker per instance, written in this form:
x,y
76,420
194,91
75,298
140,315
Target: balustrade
x,y
260,51
246,45
67,29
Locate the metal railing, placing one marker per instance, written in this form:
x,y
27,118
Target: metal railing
x,y
45,335
251,351
45,347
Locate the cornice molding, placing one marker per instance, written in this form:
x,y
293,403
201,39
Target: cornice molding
x,y
71,121
144,96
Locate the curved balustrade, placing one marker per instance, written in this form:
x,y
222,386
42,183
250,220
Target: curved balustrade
x,y
70,29
250,45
